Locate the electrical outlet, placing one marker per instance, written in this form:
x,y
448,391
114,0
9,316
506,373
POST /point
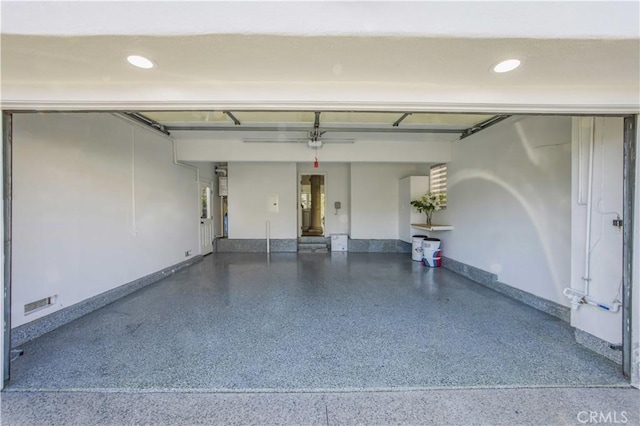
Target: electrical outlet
x,y
617,222
187,253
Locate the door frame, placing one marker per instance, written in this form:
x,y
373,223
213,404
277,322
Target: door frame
x,y
299,191
630,188
203,183
5,232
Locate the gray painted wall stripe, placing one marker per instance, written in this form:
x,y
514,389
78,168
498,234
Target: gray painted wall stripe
x,y
26,332
491,280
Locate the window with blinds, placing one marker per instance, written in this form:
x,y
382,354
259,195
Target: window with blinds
x,y
438,181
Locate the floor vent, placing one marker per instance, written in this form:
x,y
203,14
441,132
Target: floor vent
x,y
39,304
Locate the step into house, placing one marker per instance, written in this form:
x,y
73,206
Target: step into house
x,y
314,244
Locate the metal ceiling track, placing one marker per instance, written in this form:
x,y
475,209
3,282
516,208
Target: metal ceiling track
x,y
136,116
399,120
481,126
233,117
279,128
315,130
296,140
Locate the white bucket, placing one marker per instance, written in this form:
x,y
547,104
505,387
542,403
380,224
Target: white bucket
x,y
416,248
430,245
432,258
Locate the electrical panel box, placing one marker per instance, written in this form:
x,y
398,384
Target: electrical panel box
x,y
223,187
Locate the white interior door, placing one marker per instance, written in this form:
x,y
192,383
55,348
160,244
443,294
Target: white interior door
x,y
206,218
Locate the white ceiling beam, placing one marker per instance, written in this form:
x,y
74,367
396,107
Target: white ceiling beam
x,y
466,19
310,98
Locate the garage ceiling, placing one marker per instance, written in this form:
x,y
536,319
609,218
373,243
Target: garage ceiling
x,y
210,59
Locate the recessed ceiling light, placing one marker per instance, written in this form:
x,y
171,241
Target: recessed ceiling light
x,y
506,66
140,61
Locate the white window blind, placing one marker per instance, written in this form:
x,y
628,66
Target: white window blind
x,y
438,180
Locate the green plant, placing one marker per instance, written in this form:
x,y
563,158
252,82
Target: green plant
x,y
429,202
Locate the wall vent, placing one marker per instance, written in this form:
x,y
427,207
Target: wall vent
x,y
39,304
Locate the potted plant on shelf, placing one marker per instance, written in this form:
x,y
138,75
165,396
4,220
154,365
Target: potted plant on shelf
x,y
428,203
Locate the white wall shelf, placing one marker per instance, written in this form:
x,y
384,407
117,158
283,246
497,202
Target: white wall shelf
x,y
425,227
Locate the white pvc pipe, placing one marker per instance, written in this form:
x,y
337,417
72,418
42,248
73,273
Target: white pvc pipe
x,y
188,166
587,244
582,298
221,216
134,229
268,229
169,138
578,299
614,307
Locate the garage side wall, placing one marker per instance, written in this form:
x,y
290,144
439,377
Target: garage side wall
x,y
98,203
605,269
509,200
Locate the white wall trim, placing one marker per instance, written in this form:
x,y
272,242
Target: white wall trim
x,y
480,108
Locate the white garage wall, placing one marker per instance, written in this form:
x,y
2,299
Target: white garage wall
x,y
253,189
337,189
229,146
373,203
207,169
374,198
606,240
509,192
77,230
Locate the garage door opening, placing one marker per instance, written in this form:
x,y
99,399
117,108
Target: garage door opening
x,y
396,317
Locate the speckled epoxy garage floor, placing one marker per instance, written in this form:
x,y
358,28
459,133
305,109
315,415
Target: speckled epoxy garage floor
x,y
296,322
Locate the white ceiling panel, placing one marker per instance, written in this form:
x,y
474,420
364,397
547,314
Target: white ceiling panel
x,y
203,60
